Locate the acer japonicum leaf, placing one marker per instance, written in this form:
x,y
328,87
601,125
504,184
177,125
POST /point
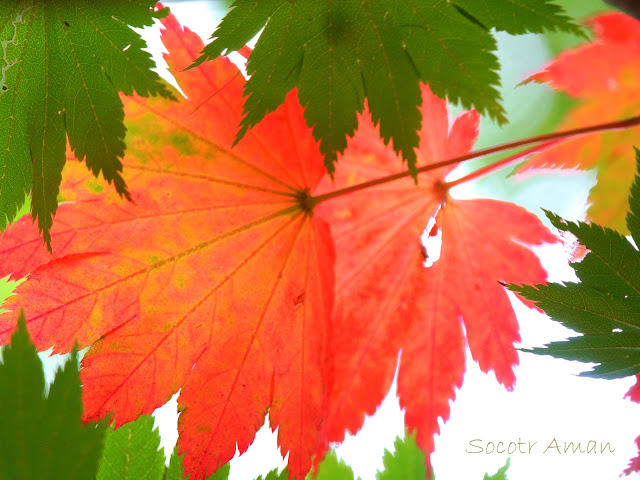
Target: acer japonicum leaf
x,y
517,17
174,470
216,281
387,301
275,475
501,474
41,433
219,279
605,306
132,451
339,53
604,75
61,68
332,469
406,461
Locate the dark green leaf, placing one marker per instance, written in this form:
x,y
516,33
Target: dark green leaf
x,y
338,53
605,306
63,64
42,436
132,452
520,16
633,217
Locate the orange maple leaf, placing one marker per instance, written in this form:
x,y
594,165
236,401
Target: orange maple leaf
x,y
217,280
387,301
605,76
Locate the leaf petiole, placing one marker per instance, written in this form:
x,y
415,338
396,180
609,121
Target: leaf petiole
x,y
501,163
545,139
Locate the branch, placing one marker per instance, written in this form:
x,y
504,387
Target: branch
x,y
577,132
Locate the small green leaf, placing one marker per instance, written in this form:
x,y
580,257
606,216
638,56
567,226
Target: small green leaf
x,y
132,452
174,470
605,306
501,474
405,463
333,469
633,217
62,66
275,475
42,436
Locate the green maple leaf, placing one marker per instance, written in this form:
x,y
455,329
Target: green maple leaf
x,y
405,463
501,474
132,452
174,470
338,53
605,306
275,475
222,473
520,16
62,65
42,436
333,469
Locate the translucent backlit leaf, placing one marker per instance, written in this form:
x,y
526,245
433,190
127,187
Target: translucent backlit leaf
x,y
217,280
604,75
386,300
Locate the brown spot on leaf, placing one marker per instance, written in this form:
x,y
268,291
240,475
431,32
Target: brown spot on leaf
x,y
299,300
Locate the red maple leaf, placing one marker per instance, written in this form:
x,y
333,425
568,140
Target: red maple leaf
x,y
634,395
216,281
219,279
387,301
605,76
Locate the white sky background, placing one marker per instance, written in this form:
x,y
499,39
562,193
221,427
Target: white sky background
x,y
549,400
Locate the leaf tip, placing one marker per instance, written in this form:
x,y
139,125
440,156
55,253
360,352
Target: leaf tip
x,y
22,321
556,220
198,61
161,11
